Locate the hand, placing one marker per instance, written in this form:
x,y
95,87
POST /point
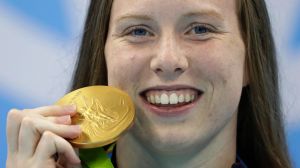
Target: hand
x,y
34,136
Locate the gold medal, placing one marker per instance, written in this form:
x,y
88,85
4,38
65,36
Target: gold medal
x,y
103,113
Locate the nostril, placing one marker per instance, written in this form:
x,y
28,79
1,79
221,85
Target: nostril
x,y
178,70
157,70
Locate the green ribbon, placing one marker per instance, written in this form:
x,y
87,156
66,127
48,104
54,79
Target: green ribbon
x,y
94,158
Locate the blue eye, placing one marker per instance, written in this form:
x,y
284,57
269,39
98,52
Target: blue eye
x,y
200,30
139,32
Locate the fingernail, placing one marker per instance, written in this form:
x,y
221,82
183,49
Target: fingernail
x,y
70,108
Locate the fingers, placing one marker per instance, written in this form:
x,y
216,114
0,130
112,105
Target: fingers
x,y
33,127
28,138
51,144
61,119
40,130
13,124
15,117
63,163
55,110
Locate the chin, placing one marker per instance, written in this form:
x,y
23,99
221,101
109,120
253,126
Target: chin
x,y
171,140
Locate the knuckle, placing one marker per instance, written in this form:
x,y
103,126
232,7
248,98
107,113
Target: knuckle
x,y
13,110
47,135
27,121
26,110
13,114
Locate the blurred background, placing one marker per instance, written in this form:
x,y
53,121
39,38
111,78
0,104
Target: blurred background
x,y
39,41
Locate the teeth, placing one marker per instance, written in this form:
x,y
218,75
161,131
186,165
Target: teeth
x,y
157,99
164,99
152,99
148,99
181,98
192,97
187,98
171,97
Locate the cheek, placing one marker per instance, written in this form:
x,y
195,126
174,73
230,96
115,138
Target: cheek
x,y
123,67
219,63
221,66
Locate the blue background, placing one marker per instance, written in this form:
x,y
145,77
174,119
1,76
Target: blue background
x,y
50,15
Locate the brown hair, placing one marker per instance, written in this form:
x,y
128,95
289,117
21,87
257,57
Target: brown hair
x,y
260,135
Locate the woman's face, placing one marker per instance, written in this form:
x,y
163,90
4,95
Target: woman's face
x,y
182,62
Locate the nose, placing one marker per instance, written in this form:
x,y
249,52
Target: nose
x,y
169,62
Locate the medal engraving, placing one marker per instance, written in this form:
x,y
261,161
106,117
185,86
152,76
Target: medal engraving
x,y
103,113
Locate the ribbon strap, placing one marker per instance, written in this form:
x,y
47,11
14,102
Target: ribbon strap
x,y
95,158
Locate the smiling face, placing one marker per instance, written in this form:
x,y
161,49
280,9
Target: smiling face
x,y
182,62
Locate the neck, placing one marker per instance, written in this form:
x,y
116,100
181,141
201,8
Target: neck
x,y
219,152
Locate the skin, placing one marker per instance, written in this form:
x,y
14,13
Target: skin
x,y
35,135
172,52
160,47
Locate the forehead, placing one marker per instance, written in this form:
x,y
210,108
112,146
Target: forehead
x,y
172,8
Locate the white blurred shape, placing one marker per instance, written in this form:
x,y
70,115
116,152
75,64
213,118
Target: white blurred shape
x,y
36,65
283,17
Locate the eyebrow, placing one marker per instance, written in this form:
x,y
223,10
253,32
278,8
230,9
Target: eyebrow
x,y
209,13
134,16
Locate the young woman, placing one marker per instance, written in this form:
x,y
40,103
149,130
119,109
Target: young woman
x,y
209,67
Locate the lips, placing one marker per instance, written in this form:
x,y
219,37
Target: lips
x,y
170,100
